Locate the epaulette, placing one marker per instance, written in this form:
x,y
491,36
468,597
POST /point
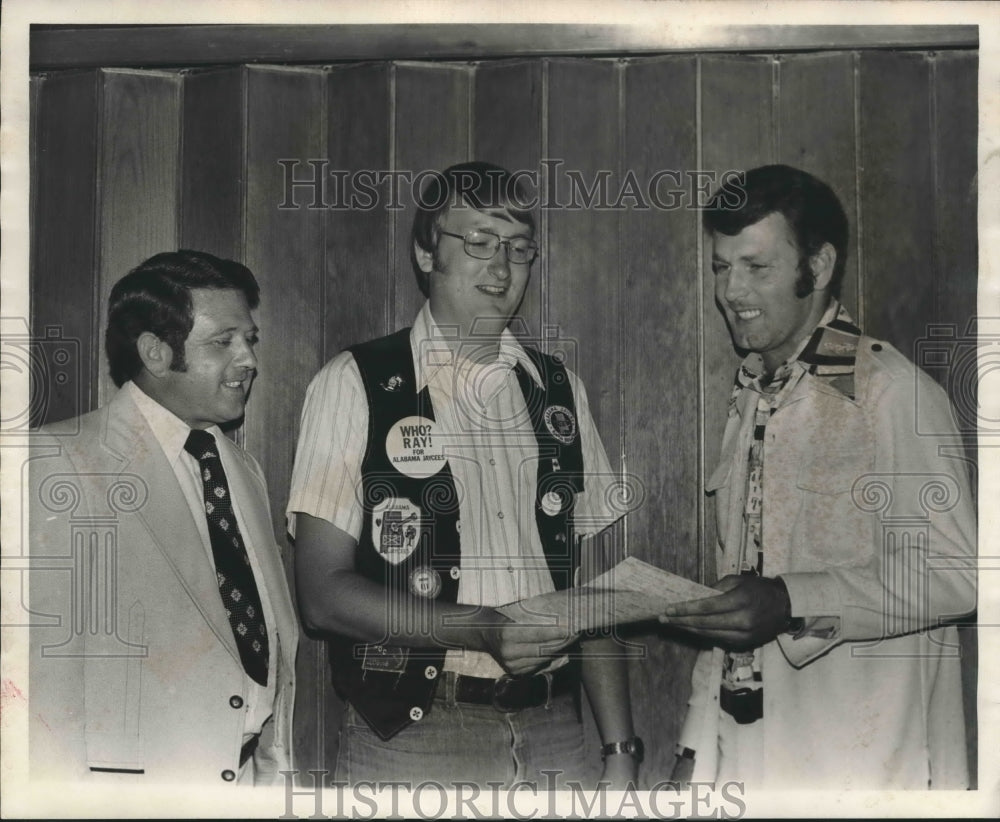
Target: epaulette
x,y
831,354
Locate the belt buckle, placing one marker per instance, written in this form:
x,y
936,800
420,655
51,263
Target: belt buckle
x,y
503,685
500,688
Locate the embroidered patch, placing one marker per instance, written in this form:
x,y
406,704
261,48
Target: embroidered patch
x,y
561,423
395,529
414,447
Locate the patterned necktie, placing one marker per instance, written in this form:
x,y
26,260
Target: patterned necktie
x,y
232,565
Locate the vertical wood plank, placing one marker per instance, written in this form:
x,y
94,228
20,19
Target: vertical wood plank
x,y
357,306
63,266
359,240
580,271
955,204
284,247
815,118
213,163
736,133
507,129
662,409
582,264
140,177
955,213
431,128
897,196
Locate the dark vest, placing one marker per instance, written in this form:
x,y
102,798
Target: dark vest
x,y
416,519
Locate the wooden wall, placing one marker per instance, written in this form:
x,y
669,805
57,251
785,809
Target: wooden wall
x,y
128,162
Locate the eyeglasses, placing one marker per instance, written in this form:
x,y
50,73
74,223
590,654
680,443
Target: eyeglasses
x,y
484,244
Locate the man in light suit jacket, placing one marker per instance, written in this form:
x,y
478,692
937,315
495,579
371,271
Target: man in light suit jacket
x,y
163,639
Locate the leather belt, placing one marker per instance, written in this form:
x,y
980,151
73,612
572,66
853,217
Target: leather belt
x,y
509,693
248,749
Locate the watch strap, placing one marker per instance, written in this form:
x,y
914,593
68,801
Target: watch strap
x,y
633,747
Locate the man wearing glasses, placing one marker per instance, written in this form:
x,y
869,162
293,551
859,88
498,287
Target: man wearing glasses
x,y
438,476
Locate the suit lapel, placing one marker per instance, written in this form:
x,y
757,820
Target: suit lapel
x,y
167,516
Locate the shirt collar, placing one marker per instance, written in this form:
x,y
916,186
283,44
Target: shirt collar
x,y
433,357
171,431
829,349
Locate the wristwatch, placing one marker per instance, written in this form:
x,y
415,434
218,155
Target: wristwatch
x,y
633,747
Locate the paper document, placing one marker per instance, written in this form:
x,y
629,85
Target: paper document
x,y
630,592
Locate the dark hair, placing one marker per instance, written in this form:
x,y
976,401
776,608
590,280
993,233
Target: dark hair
x,y
155,296
812,210
484,186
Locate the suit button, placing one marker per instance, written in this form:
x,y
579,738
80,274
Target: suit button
x,y
228,775
416,714
454,572
235,701
430,672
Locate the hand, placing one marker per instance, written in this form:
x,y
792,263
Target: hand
x,y
524,649
620,771
683,769
751,612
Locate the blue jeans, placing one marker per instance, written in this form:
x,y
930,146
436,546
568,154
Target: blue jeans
x,y
459,742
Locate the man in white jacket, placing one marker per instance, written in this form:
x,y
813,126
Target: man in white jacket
x,y
164,643
847,532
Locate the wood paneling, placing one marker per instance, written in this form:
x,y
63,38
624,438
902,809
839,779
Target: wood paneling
x,y
431,129
815,132
359,243
955,212
660,397
897,197
139,186
284,248
63,285
508,130
75,46
213,163
582,265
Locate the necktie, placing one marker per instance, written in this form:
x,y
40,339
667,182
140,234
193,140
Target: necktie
x,y
232,565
